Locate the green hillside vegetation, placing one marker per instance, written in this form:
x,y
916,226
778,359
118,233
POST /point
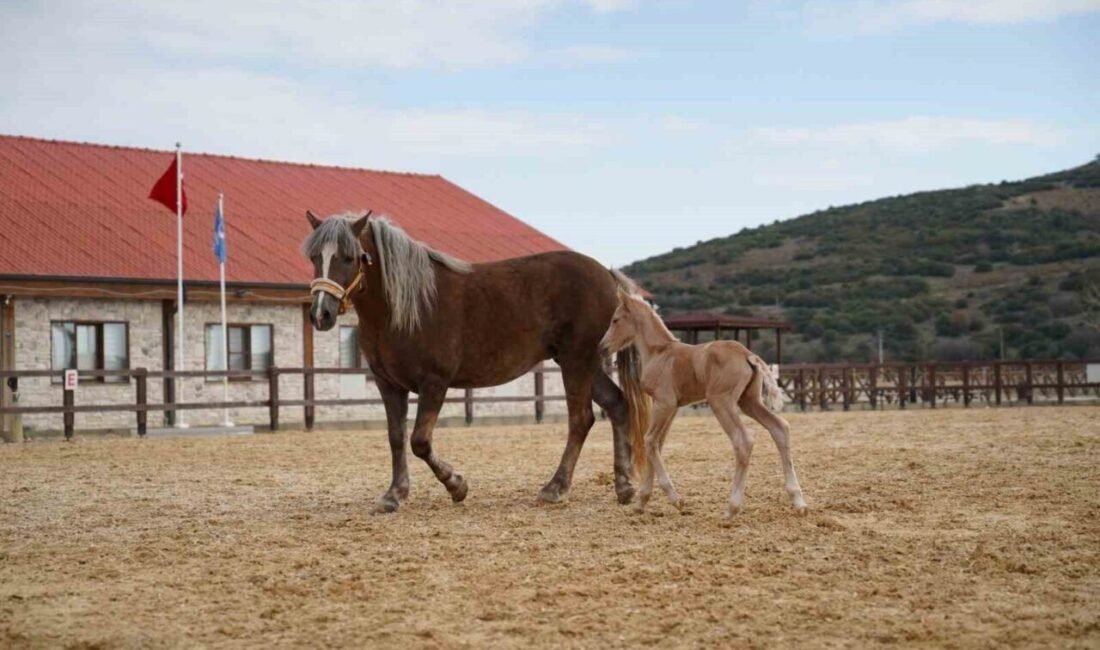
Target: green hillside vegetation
x,y
942,274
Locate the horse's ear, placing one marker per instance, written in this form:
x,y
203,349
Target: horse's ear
x,y
359,224
313,220
622,296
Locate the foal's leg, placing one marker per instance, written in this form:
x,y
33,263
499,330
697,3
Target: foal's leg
x,y
427,412
781,434
661,419
396,400
611,400
723,408
578,396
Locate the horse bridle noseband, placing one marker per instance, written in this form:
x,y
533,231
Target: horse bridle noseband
x,y
341,294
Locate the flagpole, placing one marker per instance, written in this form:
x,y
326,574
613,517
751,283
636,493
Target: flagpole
x,y
180,357
225,326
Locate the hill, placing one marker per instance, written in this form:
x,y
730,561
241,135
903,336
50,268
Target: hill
x,y
942,274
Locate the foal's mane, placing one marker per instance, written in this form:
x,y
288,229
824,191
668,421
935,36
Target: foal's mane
x,y
654,320
408,275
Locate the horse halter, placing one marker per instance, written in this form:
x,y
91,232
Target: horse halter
x,y
341,294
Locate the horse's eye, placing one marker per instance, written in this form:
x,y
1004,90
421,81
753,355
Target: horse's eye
x,y
348,259
615,320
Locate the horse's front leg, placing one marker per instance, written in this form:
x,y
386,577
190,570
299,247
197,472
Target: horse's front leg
x,y
396,400
431,398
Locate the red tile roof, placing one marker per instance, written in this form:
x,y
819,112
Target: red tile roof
x,y
74,209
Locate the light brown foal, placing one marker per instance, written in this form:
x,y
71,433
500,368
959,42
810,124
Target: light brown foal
x,y
725,374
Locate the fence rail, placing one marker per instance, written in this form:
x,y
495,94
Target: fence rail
x,y
139,378
826,386
822,386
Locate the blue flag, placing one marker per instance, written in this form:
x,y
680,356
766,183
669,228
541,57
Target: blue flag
x,y
219,234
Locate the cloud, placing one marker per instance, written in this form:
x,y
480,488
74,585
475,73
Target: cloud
x,y
410,34
886,15
912,134
582,54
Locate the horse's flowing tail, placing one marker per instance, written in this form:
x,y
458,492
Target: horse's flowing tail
x,y
630,379
770,393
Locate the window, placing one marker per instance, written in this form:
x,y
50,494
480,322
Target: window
x,y
249,347
90,346
350,356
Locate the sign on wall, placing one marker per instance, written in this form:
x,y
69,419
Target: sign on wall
x,y
71,379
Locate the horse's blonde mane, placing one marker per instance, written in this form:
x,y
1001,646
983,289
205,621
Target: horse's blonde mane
x,y
408,275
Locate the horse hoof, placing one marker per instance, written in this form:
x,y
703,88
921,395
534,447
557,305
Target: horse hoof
x,y
801,510
459,492
680,505
733,511
625,494
386,504
551,493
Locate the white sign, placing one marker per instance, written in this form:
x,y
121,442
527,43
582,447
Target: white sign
x,y
71,379
1092,373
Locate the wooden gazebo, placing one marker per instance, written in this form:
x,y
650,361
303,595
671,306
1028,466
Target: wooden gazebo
x,y
715,327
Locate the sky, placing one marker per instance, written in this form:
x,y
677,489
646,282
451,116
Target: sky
x,y
621,128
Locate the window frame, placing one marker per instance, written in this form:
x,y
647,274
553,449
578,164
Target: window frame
x,y
101,350
247,330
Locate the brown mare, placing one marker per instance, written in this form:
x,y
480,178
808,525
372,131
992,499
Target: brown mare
x,y
428,322
725,374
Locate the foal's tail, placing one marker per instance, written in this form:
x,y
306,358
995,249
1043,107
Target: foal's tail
x,y
770,393
630,379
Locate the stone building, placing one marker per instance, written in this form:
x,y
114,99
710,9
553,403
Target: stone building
x,y
88,263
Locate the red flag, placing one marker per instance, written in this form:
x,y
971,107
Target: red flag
x,y
164,191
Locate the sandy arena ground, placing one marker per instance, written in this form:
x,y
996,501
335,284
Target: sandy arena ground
x,y
945,528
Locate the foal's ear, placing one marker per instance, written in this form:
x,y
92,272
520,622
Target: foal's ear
x,y
313,220
622,296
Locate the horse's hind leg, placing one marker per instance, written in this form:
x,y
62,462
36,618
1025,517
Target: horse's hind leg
x,y
781,434
739,436
578,396
611,400
427,412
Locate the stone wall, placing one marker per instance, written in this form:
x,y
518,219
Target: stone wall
x,y
32,336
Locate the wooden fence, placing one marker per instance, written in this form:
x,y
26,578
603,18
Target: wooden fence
x,y
140,406
822,386
990,383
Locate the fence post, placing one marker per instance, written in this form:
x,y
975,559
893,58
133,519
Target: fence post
x,y
67,400
1061,387
997,381
273,397
821,388
802,388
872,381
903,395
844,384
468,398
308,392
540,391
966,384
142,387
1027,377
913,384
932,382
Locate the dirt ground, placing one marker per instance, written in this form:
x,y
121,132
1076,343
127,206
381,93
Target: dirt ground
x,y
947,528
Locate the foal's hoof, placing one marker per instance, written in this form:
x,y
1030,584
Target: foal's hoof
x,y
624,493
386,504
801,510
680,504
458,493
733,511
551,493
